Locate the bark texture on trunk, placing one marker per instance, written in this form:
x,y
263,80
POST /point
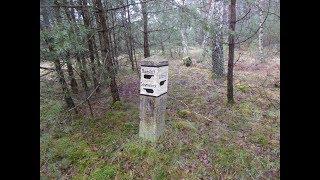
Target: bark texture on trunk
x,y
72,79
260,40
101,19
67,95
146,49
183,30
128,34
207,15
217,48
232,25
90,40
73,82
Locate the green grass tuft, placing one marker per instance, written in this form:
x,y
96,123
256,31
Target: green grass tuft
x,y
242,88
183,113
181,124
118,105
104,173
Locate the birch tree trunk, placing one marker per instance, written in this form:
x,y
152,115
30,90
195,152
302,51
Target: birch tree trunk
x,y
260,38
217,48
232,25
207,16
183,31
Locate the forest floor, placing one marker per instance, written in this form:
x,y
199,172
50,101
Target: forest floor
x,y
205,138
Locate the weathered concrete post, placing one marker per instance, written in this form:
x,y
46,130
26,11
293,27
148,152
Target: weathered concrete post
x,y
153,96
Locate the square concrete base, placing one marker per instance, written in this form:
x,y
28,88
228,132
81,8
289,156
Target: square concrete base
x,y
152,114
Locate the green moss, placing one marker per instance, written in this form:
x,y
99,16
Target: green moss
x,y
183,113
259,138
104,173
75,152
113,115
184,125
118,105
130,127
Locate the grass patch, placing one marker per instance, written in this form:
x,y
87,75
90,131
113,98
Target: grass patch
x,y
183,113
242,88
259,138
71,151
50,110
103,173
118,105
229,158
182,124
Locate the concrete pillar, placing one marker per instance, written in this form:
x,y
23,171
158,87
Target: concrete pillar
x,y
153,97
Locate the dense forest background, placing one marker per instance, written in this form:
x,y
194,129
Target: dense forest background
x,y
222,117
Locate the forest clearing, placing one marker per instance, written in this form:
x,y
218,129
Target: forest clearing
x,y
90,109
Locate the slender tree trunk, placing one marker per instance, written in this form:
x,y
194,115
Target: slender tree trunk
x,y
207,16
260,32
131,42
114,43
232,25
101,19
67,95
72,19
146,49
183,31
162,48
81,64
73,82
217,48
126,24
185,47
90,40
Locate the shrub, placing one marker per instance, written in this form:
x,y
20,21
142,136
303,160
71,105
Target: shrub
x,y
187,61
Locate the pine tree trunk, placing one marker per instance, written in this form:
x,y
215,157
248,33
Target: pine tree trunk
x,y
131,45
72,19
73,82
127,25
101,19
90,40
81,64
146,49
114,43
217,49
232,25
67,95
